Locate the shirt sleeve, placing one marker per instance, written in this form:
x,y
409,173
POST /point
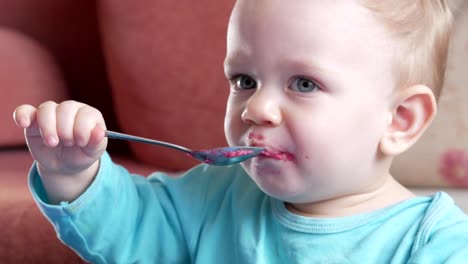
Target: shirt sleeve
x,y
448,245
446,240
120,218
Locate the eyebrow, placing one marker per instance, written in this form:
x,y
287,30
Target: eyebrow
x,y
236,58
309,66
319,70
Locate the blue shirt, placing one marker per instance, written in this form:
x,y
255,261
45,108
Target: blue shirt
x,y
218,215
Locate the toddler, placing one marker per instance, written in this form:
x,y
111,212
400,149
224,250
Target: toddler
x,y
333,90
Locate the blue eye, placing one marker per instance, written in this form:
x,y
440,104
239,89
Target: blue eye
x,y
244,82
303,85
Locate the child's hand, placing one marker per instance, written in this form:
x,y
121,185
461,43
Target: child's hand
x,y
65,139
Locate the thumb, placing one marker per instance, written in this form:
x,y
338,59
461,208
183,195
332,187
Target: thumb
x,y
97,142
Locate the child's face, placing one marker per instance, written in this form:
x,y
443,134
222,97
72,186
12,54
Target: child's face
x,y
311,81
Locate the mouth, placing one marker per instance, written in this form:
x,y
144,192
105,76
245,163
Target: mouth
x,y
272,153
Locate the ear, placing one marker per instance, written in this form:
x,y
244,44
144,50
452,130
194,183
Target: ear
x,y
413,111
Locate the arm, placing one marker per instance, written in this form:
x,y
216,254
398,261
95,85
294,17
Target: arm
x,y
105,214
120,218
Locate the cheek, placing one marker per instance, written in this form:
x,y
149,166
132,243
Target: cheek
x,y
339,136
233,123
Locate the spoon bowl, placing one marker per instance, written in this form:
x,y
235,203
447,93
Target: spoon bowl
x,y
226,155
217,156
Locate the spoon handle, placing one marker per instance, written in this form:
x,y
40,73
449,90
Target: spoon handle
x,y
122,136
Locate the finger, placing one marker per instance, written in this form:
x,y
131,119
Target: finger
x,y
97,142
65,114
24,115
47,122
86,120
97,136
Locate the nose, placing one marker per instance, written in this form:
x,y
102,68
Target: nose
x,y
262,109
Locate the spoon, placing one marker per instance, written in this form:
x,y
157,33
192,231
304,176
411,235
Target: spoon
x,y
217,156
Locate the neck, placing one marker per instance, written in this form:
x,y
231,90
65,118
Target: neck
x,y
390,192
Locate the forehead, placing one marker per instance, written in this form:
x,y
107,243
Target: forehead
x,y
335,31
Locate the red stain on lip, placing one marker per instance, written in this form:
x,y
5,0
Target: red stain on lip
x,y
256,141
256,136
277,155
454,167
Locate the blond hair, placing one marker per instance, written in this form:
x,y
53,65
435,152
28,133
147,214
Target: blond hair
x,y
422,29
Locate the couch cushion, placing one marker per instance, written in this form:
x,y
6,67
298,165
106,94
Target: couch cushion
x,y
69,31
27,237
28,74
165,62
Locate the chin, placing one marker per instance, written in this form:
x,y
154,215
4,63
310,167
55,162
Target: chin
x,y
282,194
277,186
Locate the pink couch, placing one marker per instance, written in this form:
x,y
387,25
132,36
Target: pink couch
x,y
154,68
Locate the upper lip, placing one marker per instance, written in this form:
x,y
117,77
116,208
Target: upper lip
x,y
258,139
262,145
